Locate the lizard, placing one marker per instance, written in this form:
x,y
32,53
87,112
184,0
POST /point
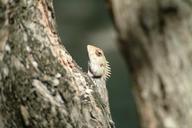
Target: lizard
x,y
98,66
99,70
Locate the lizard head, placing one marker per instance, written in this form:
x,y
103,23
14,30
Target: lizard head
x,y
98,65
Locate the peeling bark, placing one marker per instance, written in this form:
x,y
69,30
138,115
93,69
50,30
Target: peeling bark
x,y
155,39
41,86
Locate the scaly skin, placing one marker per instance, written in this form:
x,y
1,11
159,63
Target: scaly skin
x,y
99,71
98,65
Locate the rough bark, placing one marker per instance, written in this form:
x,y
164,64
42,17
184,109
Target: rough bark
x,y
155,37
41,86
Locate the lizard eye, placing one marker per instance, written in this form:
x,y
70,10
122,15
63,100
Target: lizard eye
x,y
98,53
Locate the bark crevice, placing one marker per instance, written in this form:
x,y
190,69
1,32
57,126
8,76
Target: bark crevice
x,y
40,83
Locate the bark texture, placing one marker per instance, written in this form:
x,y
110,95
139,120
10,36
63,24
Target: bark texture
x,y
155,37
40,84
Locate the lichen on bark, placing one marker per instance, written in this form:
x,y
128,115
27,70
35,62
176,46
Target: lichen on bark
x,y
40,83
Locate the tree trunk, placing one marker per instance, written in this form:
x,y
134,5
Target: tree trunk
x,y
155,37
41,86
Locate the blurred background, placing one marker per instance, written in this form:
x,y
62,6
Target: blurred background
x,y
85,22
